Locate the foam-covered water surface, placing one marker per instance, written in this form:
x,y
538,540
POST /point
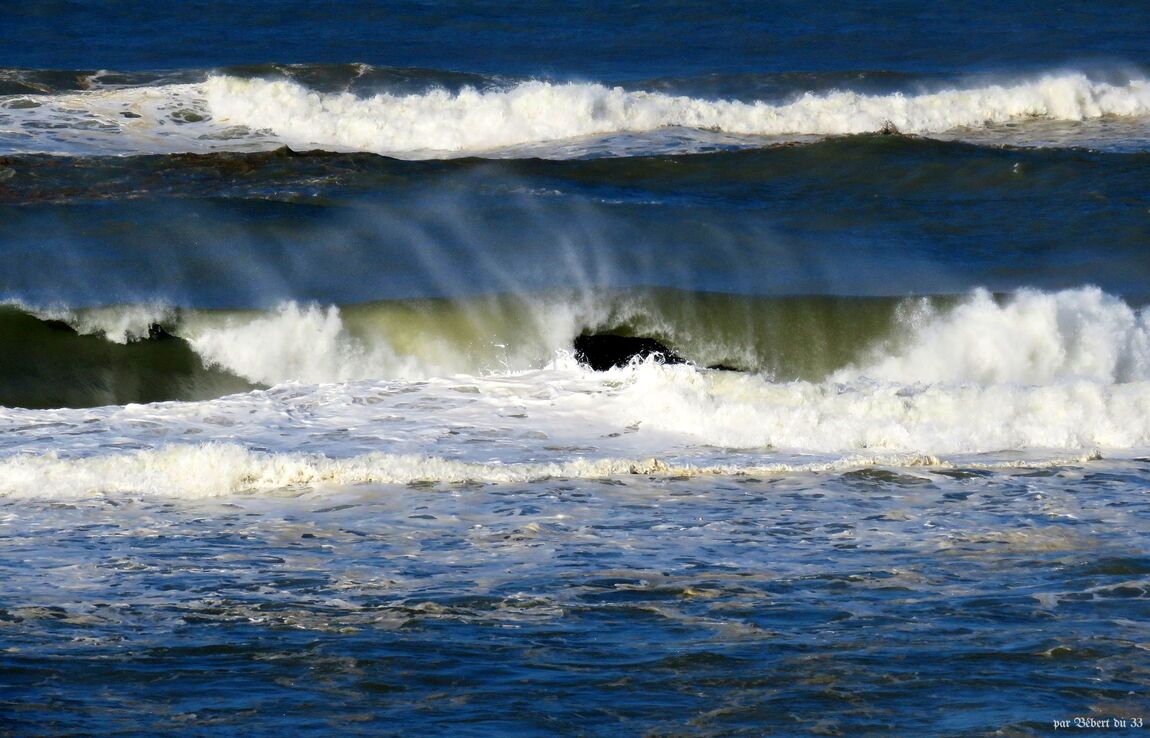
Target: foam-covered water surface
x,y
732,601
563,421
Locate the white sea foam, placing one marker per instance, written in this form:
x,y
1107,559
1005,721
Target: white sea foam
x,y
562,422
750,413
313,343
213,470
132,120
1032,337
473,121
305,343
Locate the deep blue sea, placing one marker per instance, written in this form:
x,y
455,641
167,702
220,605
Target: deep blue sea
x,y
308,428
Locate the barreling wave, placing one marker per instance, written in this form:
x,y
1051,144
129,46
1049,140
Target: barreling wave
x,y
413,339
141,353
230,112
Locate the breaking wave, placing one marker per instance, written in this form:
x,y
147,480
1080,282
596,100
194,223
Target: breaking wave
x,y
474,121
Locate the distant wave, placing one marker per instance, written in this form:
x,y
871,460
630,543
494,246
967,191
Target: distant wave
x,y
529,118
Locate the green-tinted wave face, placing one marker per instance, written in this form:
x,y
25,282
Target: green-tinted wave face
x,y
139,353
47,363
784,338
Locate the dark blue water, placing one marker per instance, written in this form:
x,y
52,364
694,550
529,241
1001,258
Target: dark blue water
x,y
604,41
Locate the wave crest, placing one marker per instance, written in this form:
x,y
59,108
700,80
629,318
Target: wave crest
x,y
475,121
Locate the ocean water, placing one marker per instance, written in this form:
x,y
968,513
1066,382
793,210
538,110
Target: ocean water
x,y
294,439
